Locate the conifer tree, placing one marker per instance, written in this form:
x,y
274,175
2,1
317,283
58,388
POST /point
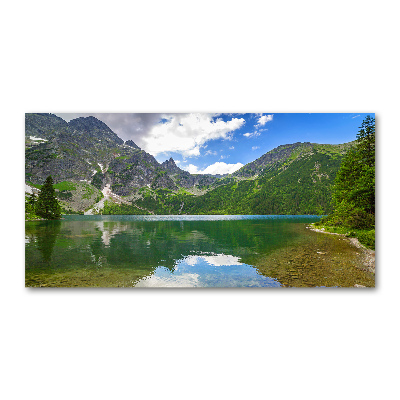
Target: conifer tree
x,y
366,141
47,205
354,190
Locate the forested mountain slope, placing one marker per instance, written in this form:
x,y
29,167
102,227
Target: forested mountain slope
x,y
84,156
298,183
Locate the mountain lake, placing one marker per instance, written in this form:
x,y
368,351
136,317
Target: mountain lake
x,y
188,251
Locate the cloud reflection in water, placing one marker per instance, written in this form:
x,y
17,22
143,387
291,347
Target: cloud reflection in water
x,y
211,270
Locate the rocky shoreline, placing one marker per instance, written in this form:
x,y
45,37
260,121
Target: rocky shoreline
x,y
367,255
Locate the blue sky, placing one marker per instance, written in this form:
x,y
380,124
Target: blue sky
x,y
222,143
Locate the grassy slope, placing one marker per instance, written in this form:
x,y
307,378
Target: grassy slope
x,y
300,184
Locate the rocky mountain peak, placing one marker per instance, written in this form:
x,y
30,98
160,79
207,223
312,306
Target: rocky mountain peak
x,y
44,125
170,165
87,124
94,127
131,143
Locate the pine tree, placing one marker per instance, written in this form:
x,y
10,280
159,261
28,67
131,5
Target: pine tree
x,y
366,141
47,205
354,189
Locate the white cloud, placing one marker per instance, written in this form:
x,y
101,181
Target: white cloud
x,y
255,147
355,116
187,133
264,119
192,169
260,122
159,133
210,153
218,168
221,168
231,148
252,134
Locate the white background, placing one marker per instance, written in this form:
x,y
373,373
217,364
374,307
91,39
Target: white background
x,y
181,56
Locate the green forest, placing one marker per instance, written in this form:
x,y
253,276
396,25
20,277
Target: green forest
x,y
301,185
353,193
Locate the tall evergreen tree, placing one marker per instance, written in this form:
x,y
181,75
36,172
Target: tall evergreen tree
x,y
47,205
354,190
366,141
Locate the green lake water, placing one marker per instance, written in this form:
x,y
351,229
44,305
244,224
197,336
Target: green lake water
x,y
188,251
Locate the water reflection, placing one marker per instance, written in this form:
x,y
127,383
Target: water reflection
x,y
109,229
217,260
214,270
124,251
44,234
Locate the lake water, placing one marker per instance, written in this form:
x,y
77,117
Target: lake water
x,y
187,251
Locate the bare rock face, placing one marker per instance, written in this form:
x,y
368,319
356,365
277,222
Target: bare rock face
x,y
137,169
170,166
131,143
93,127
67,151
44,126
185,179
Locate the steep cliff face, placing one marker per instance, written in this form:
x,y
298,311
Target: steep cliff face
x,y
44,126
135,169
94,128
68,151
171,167
185,179
131,143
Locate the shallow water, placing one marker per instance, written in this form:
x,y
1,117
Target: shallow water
x,y
187,251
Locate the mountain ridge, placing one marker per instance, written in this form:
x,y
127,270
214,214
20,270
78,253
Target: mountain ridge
x,y
86,150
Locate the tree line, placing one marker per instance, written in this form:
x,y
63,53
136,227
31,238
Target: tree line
x,y
353,194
